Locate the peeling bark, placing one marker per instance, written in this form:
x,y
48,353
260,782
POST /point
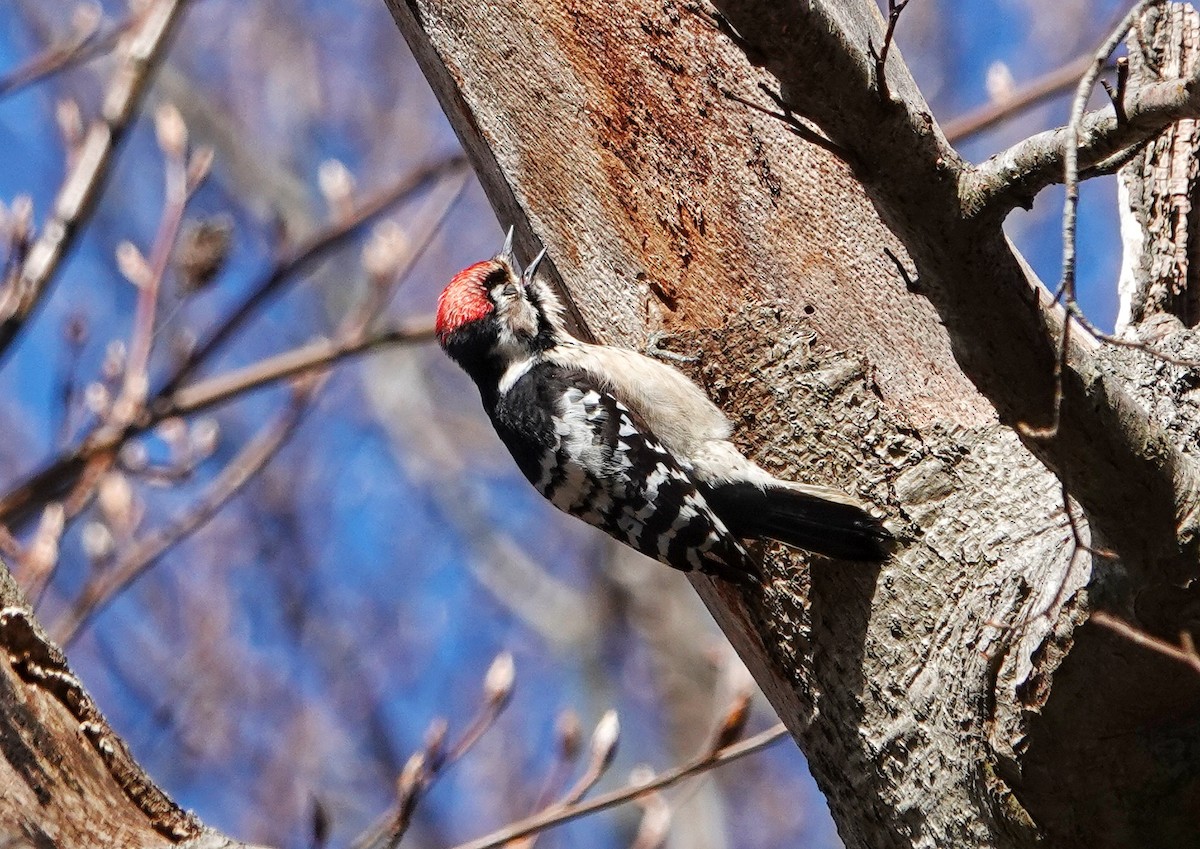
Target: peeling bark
x,y
1160,185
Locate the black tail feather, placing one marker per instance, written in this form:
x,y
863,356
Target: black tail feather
x,y
800,518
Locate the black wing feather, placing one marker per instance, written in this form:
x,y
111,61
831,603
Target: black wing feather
x,y
594,458
800,519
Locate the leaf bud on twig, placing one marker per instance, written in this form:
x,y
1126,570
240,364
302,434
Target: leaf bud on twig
x,y
171,131
498,683
604,739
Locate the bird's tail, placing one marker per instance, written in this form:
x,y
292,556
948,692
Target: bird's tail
x,y
816,519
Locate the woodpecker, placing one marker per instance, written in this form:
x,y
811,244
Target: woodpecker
x,y
626,442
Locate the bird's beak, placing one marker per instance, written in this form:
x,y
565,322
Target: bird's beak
x,y
506,253
531,269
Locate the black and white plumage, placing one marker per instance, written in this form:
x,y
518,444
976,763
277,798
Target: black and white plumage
x,y
628,443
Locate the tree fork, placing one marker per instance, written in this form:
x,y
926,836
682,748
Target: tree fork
x,y
922,694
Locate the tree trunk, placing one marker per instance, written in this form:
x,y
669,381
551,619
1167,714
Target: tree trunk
x,y
66,779
1160,291
956,696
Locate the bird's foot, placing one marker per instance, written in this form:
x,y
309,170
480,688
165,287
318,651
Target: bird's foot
x,y
655,349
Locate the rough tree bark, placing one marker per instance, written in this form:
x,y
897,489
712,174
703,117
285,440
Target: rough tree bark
x,y
66,777
957,696
1159,288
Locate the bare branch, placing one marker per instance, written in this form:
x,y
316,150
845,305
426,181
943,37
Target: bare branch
x,y
1036,91
423,768
1116,93
1150,100
103,587
178,190
56,477
603,749
1133,344
312,357
81,189
1184,653
85,42
352,334
1058,81
558,815
322,353
304,255
1066,289
880,56
1012,177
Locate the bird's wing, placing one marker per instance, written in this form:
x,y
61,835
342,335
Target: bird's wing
x,y
662,396
591,456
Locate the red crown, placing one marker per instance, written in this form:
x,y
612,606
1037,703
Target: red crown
x,y
464,299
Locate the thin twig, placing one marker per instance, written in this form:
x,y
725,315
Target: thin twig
x,y
569,735
1077,533
57,476
557,816
1122,87
1116,93
425,767
1108,338
103,587
1185,653
1036,91
148,277
1013,176
177,193
323,353
1071,147
307,253
1060,80
1079,547
81,46
1066,287
603,750
82,187
35,580
880,56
